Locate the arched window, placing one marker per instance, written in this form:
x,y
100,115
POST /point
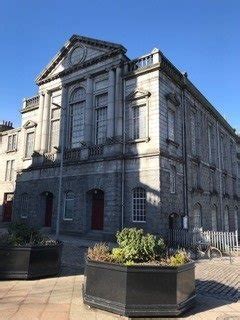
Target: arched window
x,y
24,203
139,205
69,206
197,216
236,218
77,109
214,217
226,218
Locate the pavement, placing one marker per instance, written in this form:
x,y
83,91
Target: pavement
x,y
60,298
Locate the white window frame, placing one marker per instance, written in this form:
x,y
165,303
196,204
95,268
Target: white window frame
x,y
9,171
65,204
10,145
133,122
26,156
141,204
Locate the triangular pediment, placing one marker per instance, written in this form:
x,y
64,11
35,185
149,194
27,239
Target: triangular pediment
x,y
138,94
76,51
29,124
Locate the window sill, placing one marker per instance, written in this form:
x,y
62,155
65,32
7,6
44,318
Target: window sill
x,y
172,142
10,151
27,158
139,140
138,221
69,220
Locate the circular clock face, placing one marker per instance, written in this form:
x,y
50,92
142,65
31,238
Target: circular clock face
x,y
77,55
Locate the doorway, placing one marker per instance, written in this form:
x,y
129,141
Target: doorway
x,y
7,207
97,209
48,209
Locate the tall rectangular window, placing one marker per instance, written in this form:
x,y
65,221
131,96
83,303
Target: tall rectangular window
x,y
29,145
139,205
212,180
12,142
139,121
9,173
210,143
54,129
193,132
222,151
172,179
101,118
171,124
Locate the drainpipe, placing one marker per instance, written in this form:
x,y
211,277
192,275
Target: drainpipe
x,y
123,158
185,159
220,176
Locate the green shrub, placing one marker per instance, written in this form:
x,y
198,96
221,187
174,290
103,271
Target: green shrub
x,y
135,246
179,258
21,234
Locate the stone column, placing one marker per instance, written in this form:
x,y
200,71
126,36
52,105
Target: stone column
x,y
64,117
111,103
88,135
39,124
45,122
118,102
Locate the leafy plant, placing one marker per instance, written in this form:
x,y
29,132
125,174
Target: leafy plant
x,y
21,234
179,258
100,252
135,246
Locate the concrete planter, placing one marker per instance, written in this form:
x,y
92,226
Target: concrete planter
x,y
139,291
30,262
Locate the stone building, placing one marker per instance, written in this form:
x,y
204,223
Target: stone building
x,y
142,147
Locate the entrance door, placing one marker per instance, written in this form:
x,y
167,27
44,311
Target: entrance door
x,y
97,209
7,206
48,209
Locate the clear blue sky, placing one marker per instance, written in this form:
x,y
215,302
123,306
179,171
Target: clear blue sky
x,y
200,37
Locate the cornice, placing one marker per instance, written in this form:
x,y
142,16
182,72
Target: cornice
x,y
182,80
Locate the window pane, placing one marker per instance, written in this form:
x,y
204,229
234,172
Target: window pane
x,y
77,124
139,205
29,145
193,133
171,125
139,122
54,134
101,125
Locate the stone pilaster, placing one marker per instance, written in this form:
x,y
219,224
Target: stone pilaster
x,y
111,104
118,102
88,135
45,122
39,124
64,117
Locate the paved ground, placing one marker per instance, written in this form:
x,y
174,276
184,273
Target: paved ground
x,y
60,298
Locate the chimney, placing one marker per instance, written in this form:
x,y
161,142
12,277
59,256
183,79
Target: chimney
x,y
6,125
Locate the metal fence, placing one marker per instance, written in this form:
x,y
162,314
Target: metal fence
x,y
224,241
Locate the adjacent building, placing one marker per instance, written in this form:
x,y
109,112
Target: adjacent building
x,y
142,147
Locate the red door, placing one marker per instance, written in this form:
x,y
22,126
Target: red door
x,y
97,210
7,206
48,210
